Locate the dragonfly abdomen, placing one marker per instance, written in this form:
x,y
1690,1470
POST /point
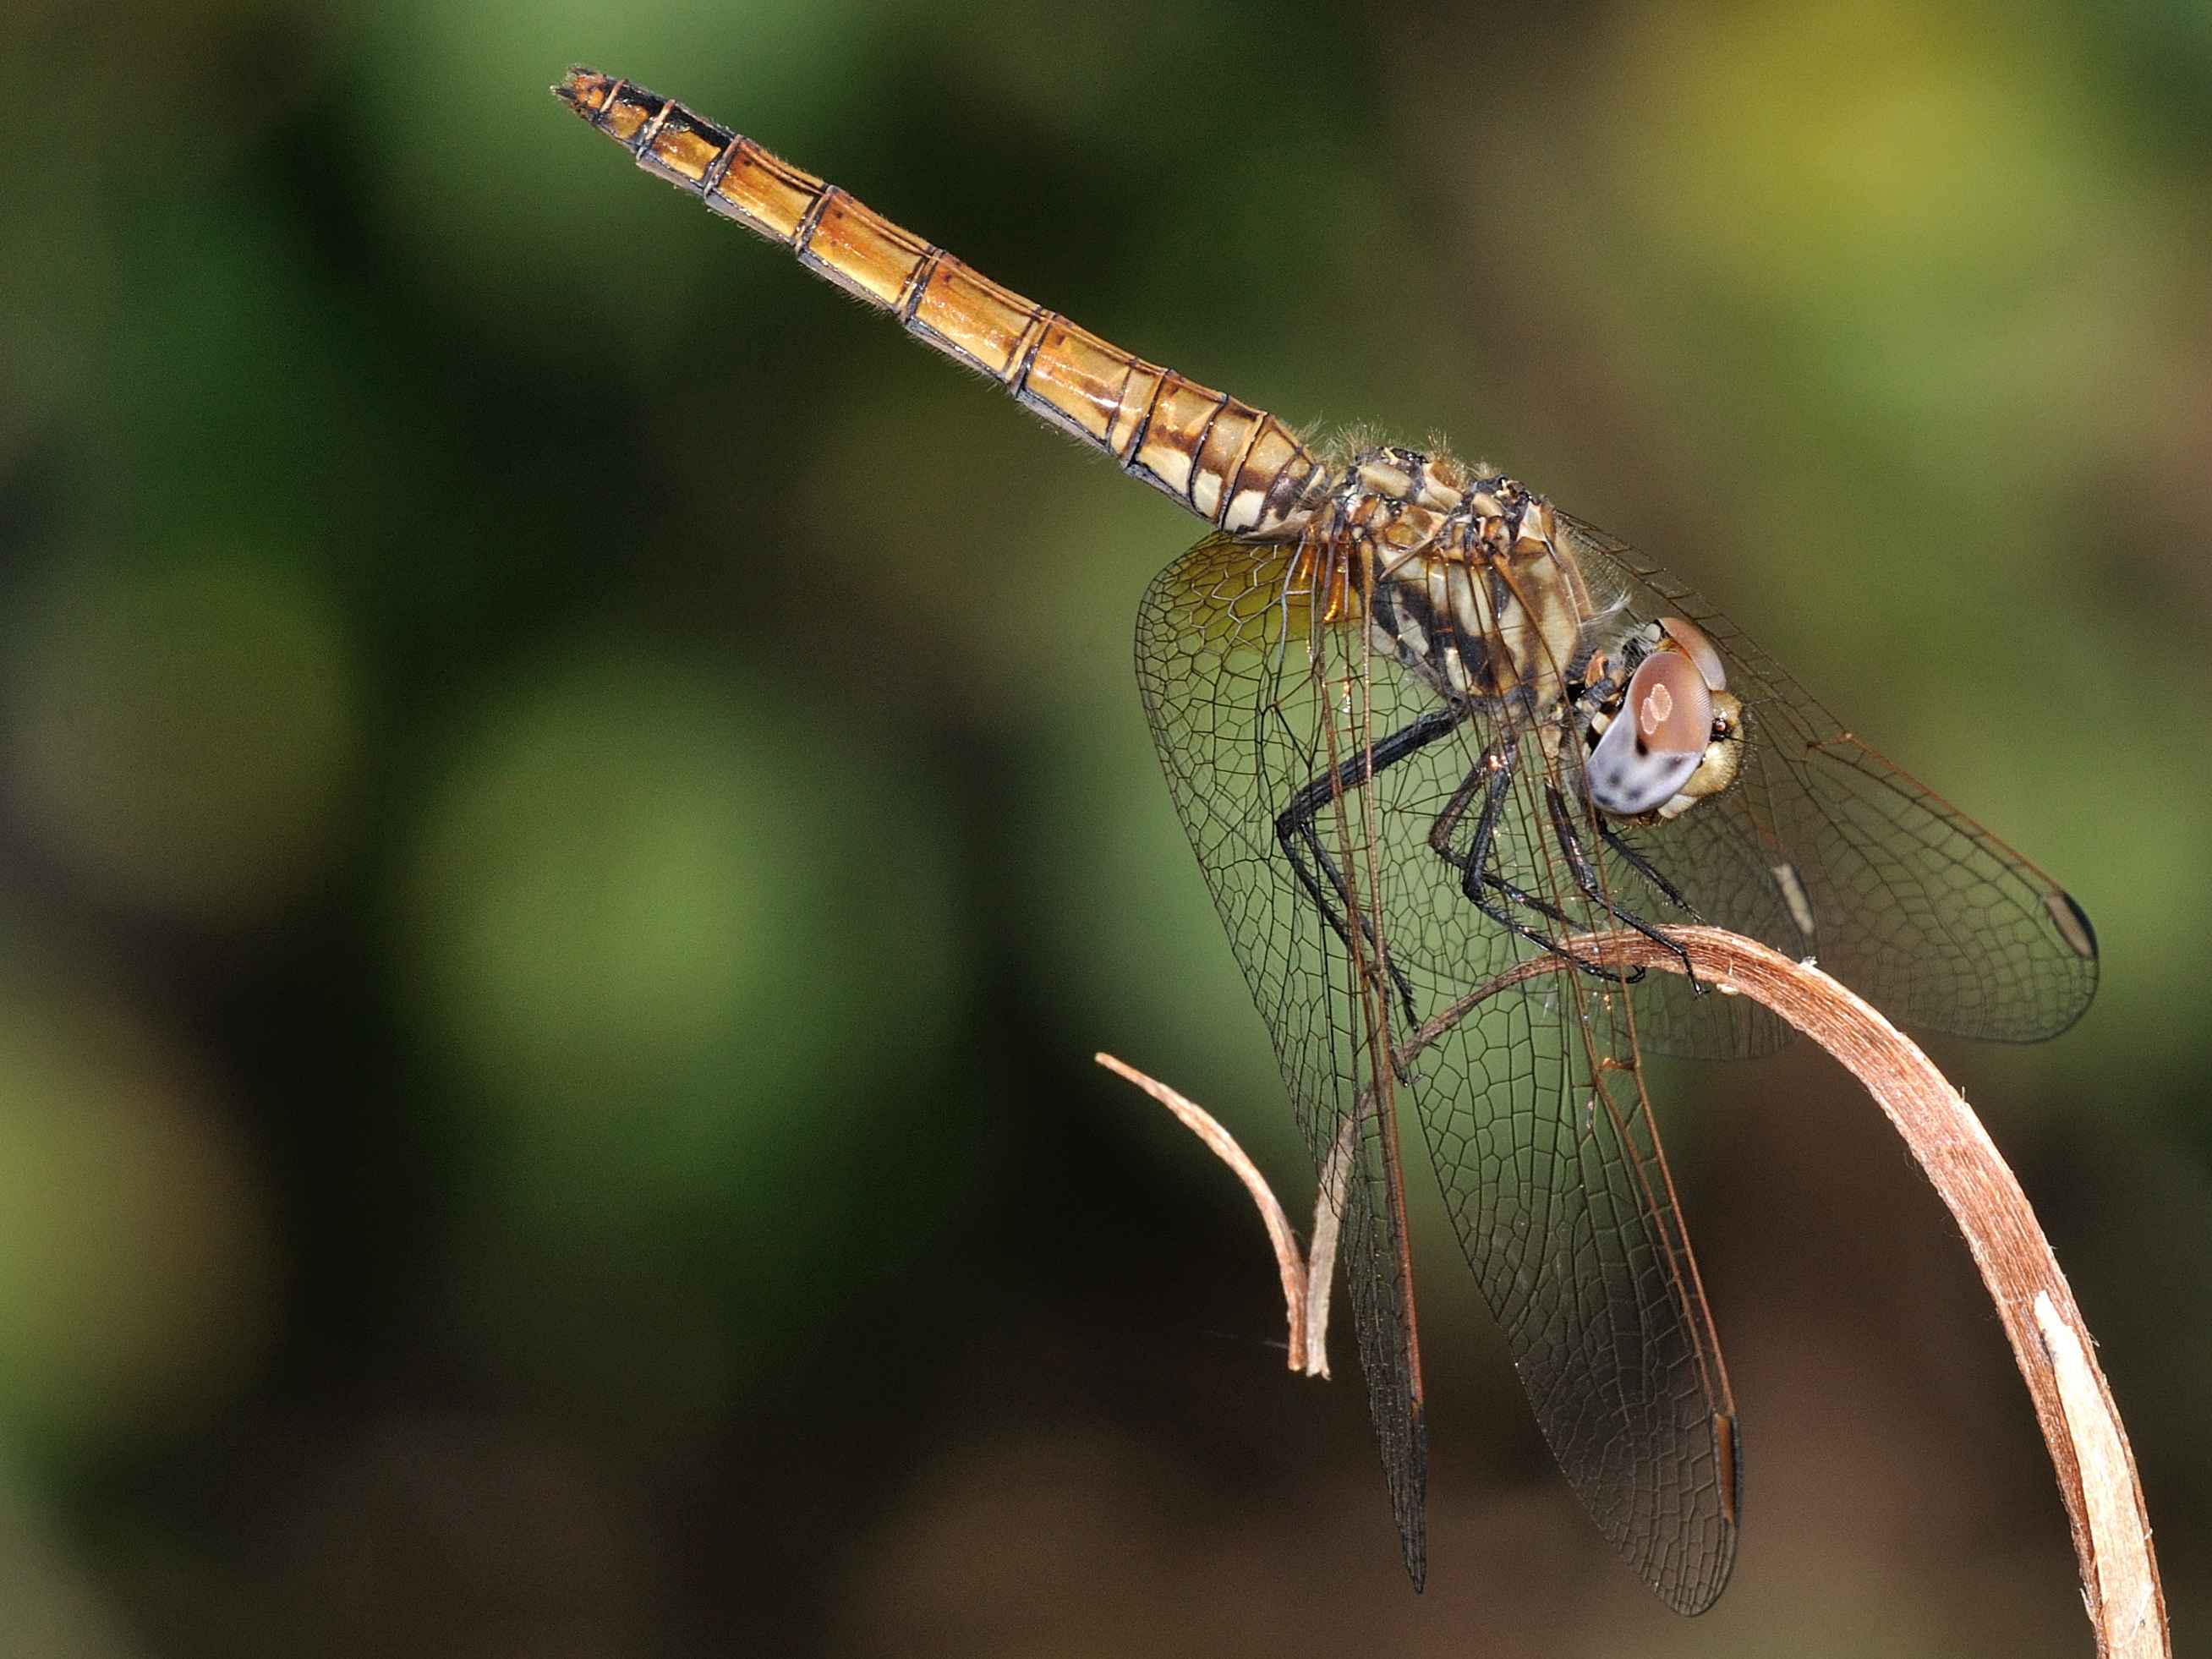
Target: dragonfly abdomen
x,y
1238,467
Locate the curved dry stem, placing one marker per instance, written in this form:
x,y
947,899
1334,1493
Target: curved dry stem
x,y
2056,1356
1303,1289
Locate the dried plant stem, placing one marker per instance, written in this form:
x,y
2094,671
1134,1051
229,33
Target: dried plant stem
x,y
2056,1356
1305,1291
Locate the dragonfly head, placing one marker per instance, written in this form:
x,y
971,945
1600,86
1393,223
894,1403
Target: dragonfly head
x,y
1672,735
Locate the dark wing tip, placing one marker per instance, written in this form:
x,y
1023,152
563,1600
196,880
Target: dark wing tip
x,y
1414,1542
1412,1508
2072,922
1695,1592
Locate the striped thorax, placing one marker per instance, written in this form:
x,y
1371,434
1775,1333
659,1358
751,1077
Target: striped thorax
x,y
1460,578
1471,584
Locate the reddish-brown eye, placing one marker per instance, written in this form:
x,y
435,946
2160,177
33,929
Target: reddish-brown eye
x,y
1668,700
1657,740
1699,649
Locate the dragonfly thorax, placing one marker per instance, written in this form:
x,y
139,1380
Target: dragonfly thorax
x,y
1467,585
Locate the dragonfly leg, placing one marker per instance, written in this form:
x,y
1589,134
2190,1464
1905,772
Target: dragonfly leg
x,y
1492,777
1644,867
1297,823
1447,825
1571,844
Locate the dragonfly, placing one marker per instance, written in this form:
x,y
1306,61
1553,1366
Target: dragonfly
x,y
1433,738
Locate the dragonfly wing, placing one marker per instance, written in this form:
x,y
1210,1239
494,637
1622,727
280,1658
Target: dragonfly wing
x,y
1530,1102
1561,1197
1717,859
1224,664
1541,1133
1909,900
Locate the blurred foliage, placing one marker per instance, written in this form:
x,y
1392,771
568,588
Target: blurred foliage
x,y
574,808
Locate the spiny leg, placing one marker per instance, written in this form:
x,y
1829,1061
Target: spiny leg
x,y
1486,770
1296,823
1571,845
1492,777
1644,867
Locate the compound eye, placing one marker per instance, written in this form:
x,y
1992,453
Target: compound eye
x,y
1657,740
1699,649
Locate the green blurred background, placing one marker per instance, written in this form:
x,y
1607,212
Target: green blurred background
x,y
574,809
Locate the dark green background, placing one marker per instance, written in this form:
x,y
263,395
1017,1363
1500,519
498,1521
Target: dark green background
x,y
574,809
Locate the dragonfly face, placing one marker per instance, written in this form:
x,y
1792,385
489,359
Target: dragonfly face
x,y
1664,732
1431,736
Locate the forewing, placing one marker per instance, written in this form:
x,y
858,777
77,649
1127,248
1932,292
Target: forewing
x,y
1541,1133
1554,1184
1562,1203
1225,662
1717,859
1911,904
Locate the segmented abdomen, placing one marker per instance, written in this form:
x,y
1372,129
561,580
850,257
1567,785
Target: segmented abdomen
x,y
1236,466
